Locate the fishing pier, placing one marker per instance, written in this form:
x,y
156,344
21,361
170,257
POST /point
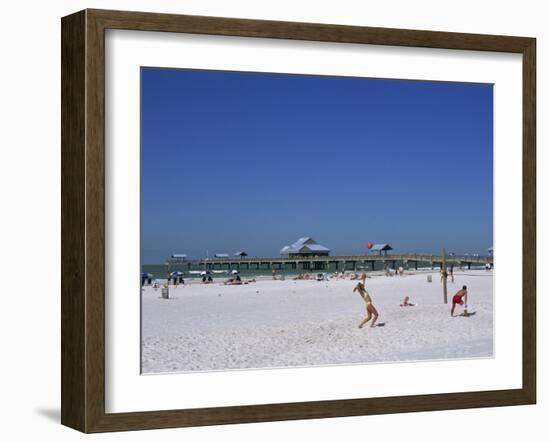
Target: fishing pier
x,y
333,263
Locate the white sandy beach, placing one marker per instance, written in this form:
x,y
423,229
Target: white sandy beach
x,y
301,323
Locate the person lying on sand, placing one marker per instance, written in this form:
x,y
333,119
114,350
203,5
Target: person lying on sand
x,y
406,302
460,298
236,280
371,310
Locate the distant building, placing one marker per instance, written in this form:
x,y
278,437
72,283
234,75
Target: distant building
x,y
490,251
178,257
305,247
221,255
240,254
381,248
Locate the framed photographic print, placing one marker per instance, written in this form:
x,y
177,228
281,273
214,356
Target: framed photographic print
x,y
269,220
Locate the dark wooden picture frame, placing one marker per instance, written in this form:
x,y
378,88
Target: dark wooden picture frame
x,y
83,220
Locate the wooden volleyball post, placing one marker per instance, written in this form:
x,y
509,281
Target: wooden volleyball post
x,y
444,275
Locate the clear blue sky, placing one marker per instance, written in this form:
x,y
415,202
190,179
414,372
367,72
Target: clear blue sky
x,y
234,160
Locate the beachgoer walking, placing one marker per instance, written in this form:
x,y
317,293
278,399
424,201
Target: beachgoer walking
x,y
372,313
460,298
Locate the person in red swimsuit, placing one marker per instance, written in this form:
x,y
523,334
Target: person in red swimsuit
x,y
460,298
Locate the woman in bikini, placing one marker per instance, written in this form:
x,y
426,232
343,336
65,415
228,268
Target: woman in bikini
x,y
371,310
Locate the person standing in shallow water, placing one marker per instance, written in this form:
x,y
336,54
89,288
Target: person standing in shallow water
x,y
372,313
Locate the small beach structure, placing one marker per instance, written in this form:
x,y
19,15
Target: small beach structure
x,y
221,255
240,254
178,257
380,248
305,246
206,276
146,278
176,277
